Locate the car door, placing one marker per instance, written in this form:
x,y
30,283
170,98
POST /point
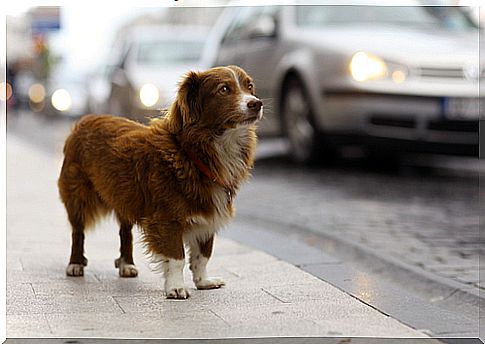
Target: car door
x,y
229,49
249,42
119,102
259,54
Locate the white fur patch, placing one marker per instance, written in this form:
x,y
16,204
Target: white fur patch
x,y
235,77
124,269
228,147
75,269
173,272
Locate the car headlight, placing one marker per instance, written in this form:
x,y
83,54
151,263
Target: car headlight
x,y
36,93
365,66
61,100
149,95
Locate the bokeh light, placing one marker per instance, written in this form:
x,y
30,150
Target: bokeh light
x,y
5,91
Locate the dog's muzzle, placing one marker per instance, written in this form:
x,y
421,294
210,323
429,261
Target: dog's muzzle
x,y
252,108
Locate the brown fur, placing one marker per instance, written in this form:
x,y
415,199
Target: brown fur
x,y
142,173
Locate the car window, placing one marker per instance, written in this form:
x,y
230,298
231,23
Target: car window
x,y
235,29
451,18
240,27
257,15
162,52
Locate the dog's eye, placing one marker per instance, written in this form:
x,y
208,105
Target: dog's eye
x,y
224,90
250,87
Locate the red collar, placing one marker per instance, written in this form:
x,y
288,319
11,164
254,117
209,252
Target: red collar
x,y
207,172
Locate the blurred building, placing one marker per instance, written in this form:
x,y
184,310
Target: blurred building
x,y
45,19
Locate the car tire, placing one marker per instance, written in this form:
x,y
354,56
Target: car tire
x,y
114,107
298,123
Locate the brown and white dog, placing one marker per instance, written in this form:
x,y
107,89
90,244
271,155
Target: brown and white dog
x,y
175,178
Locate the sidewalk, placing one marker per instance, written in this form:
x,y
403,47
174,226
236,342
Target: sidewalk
x,y
264,296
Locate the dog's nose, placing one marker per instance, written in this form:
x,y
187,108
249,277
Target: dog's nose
x,y
255,105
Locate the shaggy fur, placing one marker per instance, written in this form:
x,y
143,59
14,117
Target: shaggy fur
x,y
144,174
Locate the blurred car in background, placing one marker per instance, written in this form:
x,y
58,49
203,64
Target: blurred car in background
x,y
23,80
153,60
62,94
359,74
99,88
66,91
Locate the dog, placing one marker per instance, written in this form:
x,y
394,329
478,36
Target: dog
x,y
175,177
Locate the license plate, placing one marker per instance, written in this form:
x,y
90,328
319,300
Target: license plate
x,y
462,108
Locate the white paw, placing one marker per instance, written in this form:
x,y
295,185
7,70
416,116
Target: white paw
x,y
210,283
75,269
126,270
177,293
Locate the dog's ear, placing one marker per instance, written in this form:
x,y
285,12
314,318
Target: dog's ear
x,y
187,108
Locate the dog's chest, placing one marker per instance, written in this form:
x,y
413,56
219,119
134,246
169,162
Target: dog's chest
x,y
202,227
233,168
229,148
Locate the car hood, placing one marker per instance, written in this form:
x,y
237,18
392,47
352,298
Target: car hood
x,y
166,77
399,44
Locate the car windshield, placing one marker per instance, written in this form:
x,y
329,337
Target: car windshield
x,y
450,18
167,52
66,74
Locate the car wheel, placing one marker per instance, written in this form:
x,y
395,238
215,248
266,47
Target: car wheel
x,y
298,123
114,107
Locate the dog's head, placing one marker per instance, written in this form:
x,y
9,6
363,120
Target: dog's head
x,y
218,99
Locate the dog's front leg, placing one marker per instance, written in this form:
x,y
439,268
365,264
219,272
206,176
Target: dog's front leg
x,y
167,246
173,271
200,252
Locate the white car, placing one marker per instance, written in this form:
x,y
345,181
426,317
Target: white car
x,y
64,93
154,60
359,74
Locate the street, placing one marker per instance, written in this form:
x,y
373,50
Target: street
x,y
423,213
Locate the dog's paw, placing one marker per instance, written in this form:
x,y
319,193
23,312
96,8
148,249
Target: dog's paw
x,y
128,270
75,270
210,283
177,293
124,269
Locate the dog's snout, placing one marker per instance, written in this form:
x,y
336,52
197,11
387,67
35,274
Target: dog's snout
x,y
255,105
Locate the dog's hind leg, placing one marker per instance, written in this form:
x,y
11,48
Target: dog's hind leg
x,y
83,206
77,262
125,262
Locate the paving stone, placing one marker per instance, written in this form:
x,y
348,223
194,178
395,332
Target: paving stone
x,y
200,299
64,304
27,325
178,324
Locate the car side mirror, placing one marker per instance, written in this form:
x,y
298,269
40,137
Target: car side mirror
x,y
263,26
